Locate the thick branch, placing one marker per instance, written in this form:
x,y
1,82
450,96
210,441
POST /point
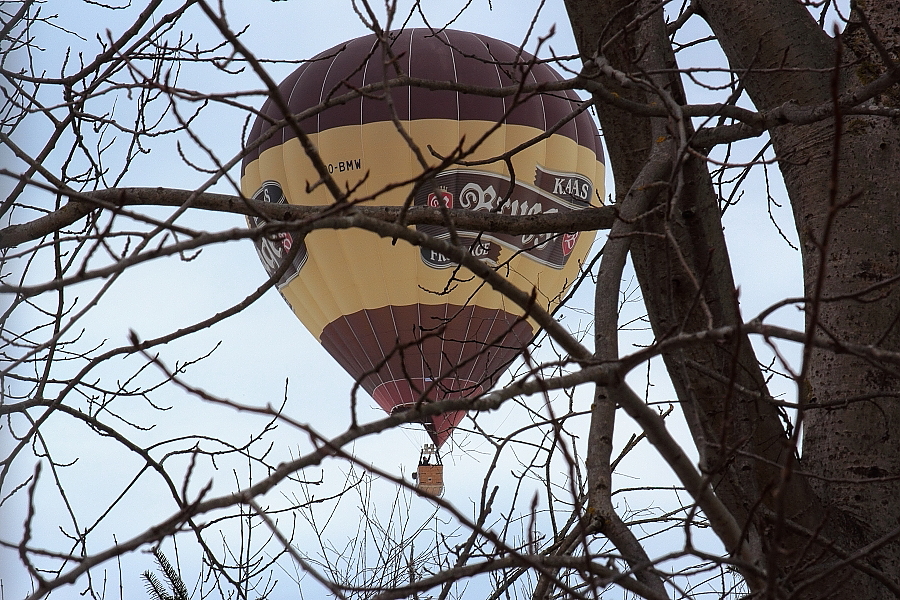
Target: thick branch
x,y
82,205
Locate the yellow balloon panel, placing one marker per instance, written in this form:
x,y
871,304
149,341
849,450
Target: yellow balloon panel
x,y
351,270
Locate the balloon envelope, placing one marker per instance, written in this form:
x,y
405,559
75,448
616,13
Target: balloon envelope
x,y
406,322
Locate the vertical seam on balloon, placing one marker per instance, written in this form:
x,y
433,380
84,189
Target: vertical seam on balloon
x,y
362,98
345,349
312,260
375,373
363,301
488,364
578,134
341,244
285,132
458,113
506,132
572,107
415,333
499,84
410,159
458,137
439,369
499,76
545,143
417,261
434,372
362,366
443,338
382,75
471,373
381,263
470,305
463,342
412,36
505,125
455,78
397,343
310,299
322,91
541,98
381,351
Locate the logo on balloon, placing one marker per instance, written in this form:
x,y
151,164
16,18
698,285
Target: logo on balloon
x,y
568,242
442,197
274,249
567,186
553,192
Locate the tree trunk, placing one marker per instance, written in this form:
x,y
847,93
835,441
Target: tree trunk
x,y
686,280
843,179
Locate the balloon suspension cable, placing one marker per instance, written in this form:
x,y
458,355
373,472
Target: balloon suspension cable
x,y
430,455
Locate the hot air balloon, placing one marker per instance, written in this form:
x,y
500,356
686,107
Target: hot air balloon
x,y
406,322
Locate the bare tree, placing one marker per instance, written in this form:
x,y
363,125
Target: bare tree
x,y
155,443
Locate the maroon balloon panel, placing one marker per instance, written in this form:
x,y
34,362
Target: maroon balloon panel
x,y
402,355
448,55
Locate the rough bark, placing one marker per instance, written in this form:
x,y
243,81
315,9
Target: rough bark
x,y
843,180
682,265
687,284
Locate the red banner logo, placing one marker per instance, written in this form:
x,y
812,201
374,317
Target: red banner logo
x,y
568,242
445,197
